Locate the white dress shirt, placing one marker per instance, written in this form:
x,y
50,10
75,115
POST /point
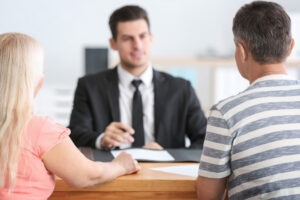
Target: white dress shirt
x,y
126,91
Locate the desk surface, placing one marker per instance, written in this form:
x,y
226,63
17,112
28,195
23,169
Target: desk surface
x,y
146,184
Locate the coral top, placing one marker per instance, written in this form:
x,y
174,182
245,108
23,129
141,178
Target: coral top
x,y
34,181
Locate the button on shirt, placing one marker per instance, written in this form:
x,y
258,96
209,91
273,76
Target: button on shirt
x,y
126,90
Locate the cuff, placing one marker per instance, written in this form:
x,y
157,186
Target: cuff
x,y
98,141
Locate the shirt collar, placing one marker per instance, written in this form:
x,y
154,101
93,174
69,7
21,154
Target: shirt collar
x,y
125,77
273,77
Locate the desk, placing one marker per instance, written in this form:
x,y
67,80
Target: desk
x,y
146,184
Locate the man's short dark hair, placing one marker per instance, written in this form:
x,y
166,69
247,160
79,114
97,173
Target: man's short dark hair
x,y
265,29
124,14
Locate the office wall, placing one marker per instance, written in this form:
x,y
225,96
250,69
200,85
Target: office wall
x,y
191,28
65,27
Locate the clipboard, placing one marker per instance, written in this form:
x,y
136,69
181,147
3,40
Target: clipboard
x,y
179,155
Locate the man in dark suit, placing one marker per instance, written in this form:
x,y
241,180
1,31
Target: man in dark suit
x,y
133,104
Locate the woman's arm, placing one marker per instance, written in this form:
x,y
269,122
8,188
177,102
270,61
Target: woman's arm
x,y
68,163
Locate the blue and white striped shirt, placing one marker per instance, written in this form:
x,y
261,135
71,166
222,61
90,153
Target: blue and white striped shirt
x,y
253,138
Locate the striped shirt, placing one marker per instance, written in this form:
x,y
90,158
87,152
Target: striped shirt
x,y
253,138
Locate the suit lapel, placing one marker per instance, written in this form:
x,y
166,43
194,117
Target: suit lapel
x,y
159,97
113,94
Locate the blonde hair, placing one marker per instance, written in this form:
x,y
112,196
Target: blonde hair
x,y
21,59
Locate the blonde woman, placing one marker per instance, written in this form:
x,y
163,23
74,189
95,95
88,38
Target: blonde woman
x,y
33,148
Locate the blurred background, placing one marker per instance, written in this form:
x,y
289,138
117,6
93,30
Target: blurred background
x,y
192,39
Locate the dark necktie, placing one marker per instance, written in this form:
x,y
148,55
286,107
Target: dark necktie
x,y
137,116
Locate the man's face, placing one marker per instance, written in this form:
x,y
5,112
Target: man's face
x,y
133,43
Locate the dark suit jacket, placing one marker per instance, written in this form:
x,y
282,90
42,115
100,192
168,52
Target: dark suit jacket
x,y
177,111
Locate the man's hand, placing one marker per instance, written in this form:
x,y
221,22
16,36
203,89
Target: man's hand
x,y
115,134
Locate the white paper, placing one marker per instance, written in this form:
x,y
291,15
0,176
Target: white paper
x,y
187,170
146,154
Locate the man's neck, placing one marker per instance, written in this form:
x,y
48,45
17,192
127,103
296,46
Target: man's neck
x,y
259,70
135,71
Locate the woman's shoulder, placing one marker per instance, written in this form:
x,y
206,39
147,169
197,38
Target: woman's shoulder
x,y
38,123
45,133
45,125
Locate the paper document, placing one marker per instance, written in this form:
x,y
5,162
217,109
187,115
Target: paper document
x,y
146,154
187,170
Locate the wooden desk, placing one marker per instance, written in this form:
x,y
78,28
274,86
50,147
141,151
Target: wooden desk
x,y
146,184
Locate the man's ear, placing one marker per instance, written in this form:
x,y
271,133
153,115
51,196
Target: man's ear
x,y
243,52
113,44
39,84
292,44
